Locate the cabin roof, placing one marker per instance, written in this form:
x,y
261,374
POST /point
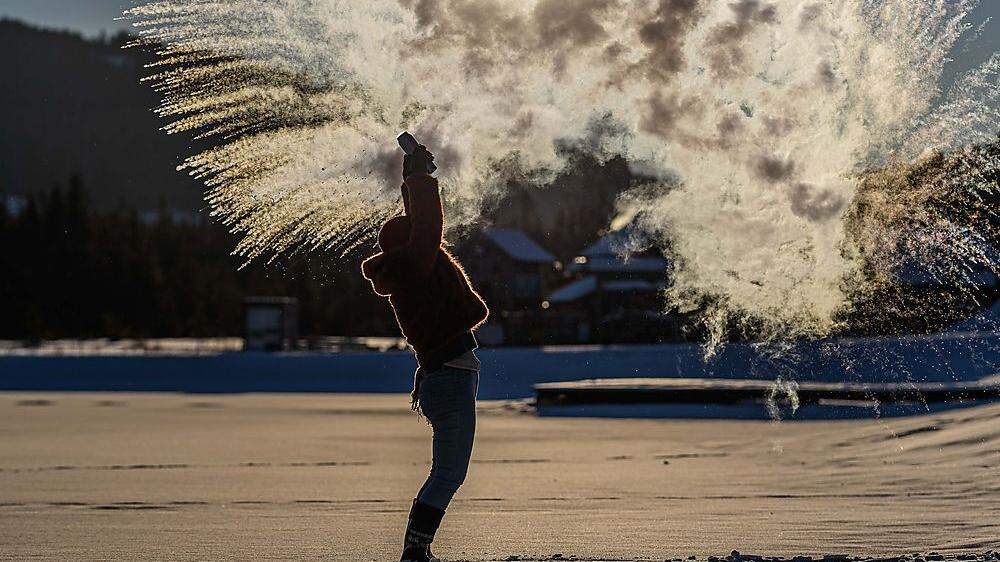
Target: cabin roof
x,y
518,245
574,291
611,254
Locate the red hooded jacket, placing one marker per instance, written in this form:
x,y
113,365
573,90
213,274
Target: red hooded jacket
x,y
435,305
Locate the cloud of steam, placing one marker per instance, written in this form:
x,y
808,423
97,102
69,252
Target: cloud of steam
x,y
764,112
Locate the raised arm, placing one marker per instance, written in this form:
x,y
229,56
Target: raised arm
x,y
406,199
426,222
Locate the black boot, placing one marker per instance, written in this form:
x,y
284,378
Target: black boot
x,y
423,524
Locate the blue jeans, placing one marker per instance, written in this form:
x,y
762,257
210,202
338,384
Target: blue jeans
x,y
448,400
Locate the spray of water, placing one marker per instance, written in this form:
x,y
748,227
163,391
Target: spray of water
x,y
757,120
782,392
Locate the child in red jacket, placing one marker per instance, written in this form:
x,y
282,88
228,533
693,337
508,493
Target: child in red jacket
x,y
437,310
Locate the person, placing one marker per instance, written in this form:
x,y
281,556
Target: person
x,y
437,311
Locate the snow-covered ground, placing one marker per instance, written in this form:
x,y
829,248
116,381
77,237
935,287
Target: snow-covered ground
x,y
311,477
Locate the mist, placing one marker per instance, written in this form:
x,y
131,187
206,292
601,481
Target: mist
x,y
754,120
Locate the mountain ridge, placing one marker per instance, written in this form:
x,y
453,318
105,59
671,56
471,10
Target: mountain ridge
x,y
76,107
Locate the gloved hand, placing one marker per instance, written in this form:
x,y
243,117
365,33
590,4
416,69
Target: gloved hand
x,y
420,162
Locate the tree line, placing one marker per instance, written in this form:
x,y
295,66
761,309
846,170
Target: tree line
x,y
73,270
